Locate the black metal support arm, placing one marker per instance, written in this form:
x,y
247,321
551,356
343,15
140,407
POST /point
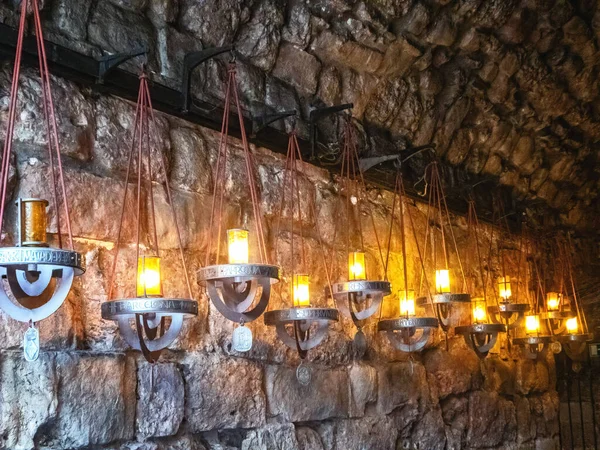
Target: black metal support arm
x,y
261,122
109,63
316,115
190,62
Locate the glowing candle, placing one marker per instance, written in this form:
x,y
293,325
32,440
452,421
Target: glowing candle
x,y
407,302
237,239
479,310
572,325
148,281
442,281
504,287
301,290
356,266
553,301
32,222
532,324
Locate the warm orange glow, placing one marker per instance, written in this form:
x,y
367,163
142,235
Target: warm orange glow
x,y
442,281
148,279
532,324
553,301
504,287
572,325
356,266
407,303
301,285
237,239
32,229
479,310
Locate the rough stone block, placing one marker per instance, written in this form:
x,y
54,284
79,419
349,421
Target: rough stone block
x,y
222,393
367,433
402,386
298,68
161,400
363,388
289,401
271,437
492,420
456,371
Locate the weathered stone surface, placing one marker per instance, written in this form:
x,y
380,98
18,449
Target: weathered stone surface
x,y
222,393
115,29
74,113
297,27
298,68
161,400
71,19
492,420
115,120
226,17
451,378
369,432
532,376
271,437
259,38
289,401
95,401
402,386
363,388
308,439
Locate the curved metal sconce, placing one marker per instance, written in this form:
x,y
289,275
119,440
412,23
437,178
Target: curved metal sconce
x,y
481,337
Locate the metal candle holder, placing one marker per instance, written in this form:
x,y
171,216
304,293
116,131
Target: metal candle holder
x,y
38,277
443,304
556,320
534,346
575,345
360,299
408,334
234,287
509,314
148,313
481,337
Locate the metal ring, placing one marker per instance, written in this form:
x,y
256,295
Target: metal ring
x,y
21,257
112,310
402,323
533,340
342,289
451,298
484,328
509,308
240,271
295,314
575,338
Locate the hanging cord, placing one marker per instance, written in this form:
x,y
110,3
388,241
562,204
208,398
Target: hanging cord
x,y
50,119
231,94
141,142
473,226
568,252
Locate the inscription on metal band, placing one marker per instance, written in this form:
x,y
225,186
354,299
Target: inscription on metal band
x,y
294,314
399,324
238,270
484,328
111,310
452,298
17,256
533,340
362,286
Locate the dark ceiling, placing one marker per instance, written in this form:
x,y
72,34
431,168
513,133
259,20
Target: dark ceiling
x,y
507,91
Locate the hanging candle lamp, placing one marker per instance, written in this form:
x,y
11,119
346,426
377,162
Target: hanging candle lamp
x,y
358,297
444,298
38,276
303,326
143,319
240,290
576,337
481,336
407,332
508,310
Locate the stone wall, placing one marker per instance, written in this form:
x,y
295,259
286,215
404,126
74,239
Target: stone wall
x,y
88,390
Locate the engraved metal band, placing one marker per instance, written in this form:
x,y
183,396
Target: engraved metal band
x,y
509,308
114,309
414,322
23,256
533,340
224,271
451,298
294,314
557,315
361,286
575,338
483,328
